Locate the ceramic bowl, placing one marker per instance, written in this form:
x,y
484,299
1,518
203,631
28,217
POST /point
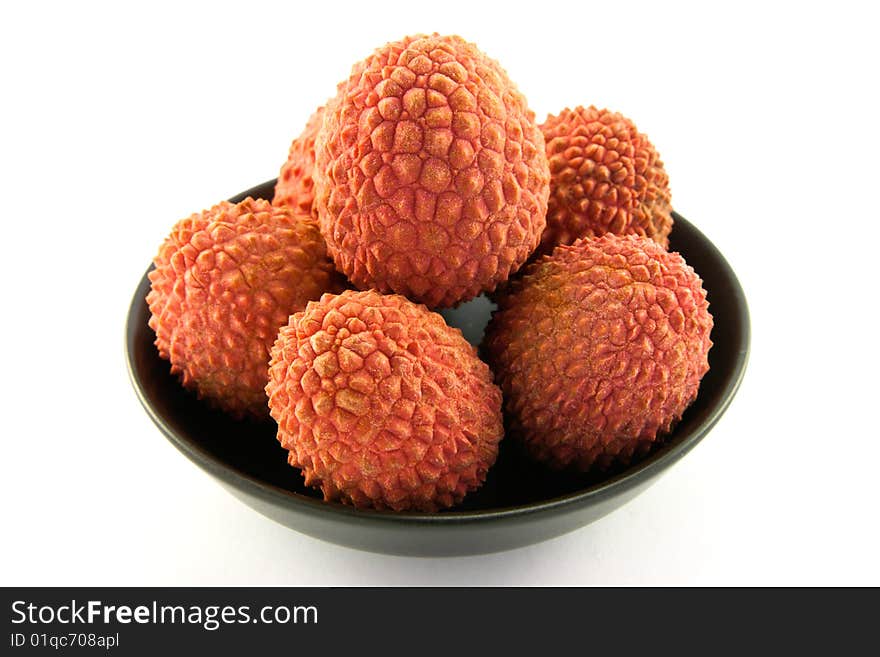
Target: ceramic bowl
x,y
520,503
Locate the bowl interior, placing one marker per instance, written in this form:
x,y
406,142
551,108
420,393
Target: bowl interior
x,y
249,450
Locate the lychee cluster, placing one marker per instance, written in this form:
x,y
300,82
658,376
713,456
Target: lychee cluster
x,y
423,183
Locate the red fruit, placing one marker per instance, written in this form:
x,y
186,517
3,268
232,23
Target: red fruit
x,y
224,281
599,348
295,187
383,405
431,177
606,177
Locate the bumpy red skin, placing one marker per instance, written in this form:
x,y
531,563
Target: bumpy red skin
x,y
599,348
431,177
295,187
224,282
606,177
382,405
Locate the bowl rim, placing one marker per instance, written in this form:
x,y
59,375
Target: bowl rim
x,y
631,477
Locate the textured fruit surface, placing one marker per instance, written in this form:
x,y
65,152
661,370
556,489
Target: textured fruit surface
x,y
599,348
606,177
295,187
224,282
431,177
383,405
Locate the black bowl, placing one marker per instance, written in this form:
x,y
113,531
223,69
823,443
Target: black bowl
x,y
521,503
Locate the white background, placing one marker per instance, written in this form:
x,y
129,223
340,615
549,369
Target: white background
x,y
119,120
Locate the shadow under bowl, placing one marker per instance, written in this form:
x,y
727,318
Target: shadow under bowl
x,y
521,503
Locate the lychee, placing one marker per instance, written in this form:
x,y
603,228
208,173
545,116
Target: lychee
x,y
295,187
431,178
224,282
383,405
599,348
606,177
